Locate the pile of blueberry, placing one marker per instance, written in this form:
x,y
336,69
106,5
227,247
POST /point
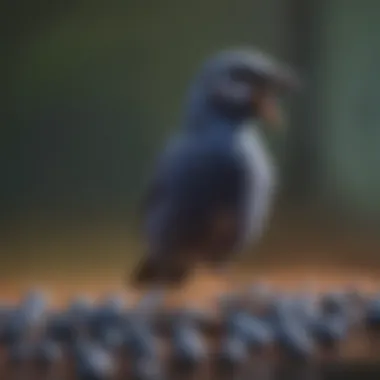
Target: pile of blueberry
x,y
255,331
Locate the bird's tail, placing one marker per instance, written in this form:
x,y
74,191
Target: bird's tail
x,y
149,272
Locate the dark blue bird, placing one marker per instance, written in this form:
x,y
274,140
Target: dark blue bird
x,y
211,191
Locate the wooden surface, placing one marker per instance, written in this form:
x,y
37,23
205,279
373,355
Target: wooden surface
x,y
360,353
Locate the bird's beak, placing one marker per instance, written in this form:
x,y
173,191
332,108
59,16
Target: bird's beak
x,y
269,110
268,104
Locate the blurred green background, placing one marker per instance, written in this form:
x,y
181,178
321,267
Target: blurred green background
x,y
91,89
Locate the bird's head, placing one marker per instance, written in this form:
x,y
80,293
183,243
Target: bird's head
x,y
239,85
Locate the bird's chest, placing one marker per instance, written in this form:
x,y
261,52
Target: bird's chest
x,y
259,179
257,163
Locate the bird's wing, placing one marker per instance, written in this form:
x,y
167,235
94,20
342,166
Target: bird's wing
x,y
195,180
157,182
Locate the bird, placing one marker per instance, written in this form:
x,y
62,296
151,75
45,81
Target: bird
x,y
212,187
